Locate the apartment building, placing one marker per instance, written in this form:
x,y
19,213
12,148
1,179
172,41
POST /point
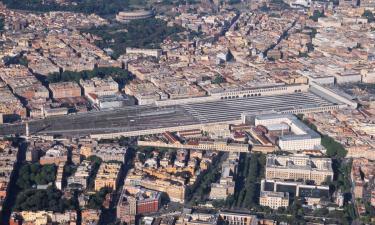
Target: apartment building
x,y
110,152
8,155
107,176
65,90
79,179
9,104
175,190
55,155
90,216
60,176
226,184
274,200
99,87
135,200
44,217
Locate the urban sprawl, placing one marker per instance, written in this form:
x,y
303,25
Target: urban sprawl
x,y
196,112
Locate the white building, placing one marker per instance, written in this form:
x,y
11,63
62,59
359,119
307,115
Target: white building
x,y
80,176
144,51
60,176
303,137
348,77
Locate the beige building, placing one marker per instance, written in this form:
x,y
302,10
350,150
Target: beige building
x,y
225,186
202,145
99,87
39,217
55,155
65,90
107,176
299,167
175,190
46,217
274,200
90,216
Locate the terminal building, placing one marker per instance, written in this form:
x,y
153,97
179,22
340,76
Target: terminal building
x,y
188,116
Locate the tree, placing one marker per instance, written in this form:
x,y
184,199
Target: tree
x,y
36,174
95,164
20,60
198,191
334,149
147,33
230,201
316,15
250,185
2,23
119,75
264,8
69,170
219,203
96,200
101,7
50,199
369,15
218,79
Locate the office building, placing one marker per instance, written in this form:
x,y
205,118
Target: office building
x,y
299,167
297,136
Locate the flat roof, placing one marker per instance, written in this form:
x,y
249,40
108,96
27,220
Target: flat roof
x,y
134,118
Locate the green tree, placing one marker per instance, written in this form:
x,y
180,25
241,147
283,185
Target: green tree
x,y
95,164
101,7
316,15
148,33
96,200
2,23
119,75
50,199
218,79
20,60
334,149
35,174
250,185
369,15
